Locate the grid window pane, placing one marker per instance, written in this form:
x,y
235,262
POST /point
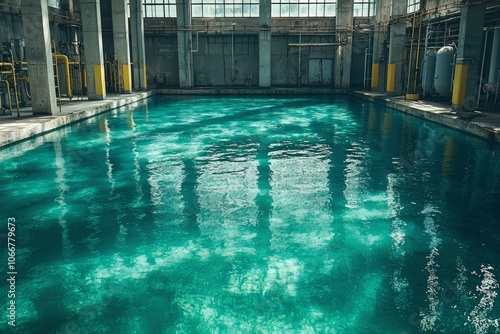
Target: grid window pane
x,y
226,8
303,8
365,7
413,6
160,8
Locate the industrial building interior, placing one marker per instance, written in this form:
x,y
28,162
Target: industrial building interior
x,y
433,50
250,166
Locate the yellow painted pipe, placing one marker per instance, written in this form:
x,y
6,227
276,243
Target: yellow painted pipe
x,y
11,65
8,65
65,59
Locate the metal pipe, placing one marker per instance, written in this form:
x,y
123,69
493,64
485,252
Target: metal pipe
x,y
497,88
8,95
57,76
65,59
418,55
11,65
197,43
299,77
411,50
315,44
364,71
482,69
232,56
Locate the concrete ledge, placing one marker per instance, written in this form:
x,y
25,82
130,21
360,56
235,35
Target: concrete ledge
x,y
13,130
487,126
248,91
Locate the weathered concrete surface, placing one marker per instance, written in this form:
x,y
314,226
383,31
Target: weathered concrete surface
x,y
13,130
486,126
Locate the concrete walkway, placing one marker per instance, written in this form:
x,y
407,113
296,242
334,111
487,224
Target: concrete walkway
x,y
486,125
14,129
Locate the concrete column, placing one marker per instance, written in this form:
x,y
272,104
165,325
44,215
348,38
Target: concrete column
x,y
265,43
380,38
184,43
468,62
138,48
120,42
36,32
92,42
342,76
396,49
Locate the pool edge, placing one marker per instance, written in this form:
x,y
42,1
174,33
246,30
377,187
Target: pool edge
x,y
22,129
442,117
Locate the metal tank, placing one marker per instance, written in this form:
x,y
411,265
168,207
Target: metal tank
x,y
443,70
428,68
494,61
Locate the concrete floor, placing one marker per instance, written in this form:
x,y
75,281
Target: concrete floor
x,y
486,125
14,129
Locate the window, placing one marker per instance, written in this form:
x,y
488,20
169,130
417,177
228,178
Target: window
x,y
225,8
413,6
364,7
303,8
159,8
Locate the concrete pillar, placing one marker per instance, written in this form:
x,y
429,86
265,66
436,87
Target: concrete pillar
x,y
396,49
184,43
138,49
120,42
36,32
342,76
468,61
380,38
265,43
92,42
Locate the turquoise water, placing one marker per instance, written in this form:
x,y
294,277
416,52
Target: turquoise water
x,y
253,215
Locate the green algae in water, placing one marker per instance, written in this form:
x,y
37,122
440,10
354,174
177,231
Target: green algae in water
x,y
253,215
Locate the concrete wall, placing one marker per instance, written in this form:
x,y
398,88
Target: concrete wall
x,y
212,61
161,58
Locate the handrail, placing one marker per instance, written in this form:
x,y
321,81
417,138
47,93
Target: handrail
x,y
8,96
13,72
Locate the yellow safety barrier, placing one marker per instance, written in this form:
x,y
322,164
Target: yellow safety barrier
x,y
100,88
391,77
459,84
375,70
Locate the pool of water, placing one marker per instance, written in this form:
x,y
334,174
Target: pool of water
x,y
252,215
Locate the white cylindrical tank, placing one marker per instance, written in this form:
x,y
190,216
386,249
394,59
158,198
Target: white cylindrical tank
x,y
444,70
428,67
495,57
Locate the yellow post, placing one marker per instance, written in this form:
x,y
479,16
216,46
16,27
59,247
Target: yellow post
x,y
375,69
127,79
459,84
100,86
144,77
391,78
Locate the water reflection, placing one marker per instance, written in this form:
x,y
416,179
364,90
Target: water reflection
x,y
67,247
325,217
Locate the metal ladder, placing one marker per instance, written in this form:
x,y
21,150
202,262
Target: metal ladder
x,y
56,77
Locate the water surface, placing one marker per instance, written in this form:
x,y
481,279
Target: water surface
x,y
253,215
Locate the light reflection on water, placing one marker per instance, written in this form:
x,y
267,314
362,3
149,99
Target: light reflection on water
x,y
249,214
